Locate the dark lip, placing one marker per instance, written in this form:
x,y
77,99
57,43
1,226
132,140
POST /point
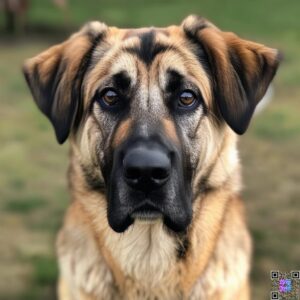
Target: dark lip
x,y
146,210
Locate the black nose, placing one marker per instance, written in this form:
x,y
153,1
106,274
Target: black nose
x,y
146,168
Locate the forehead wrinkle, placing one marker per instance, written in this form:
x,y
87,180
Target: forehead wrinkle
x,y
156,100
201,79
185,64
149,45
132,41
140,99
170,61
99,71
198,73
113,62
125,63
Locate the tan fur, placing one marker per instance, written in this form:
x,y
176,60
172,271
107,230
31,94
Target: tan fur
x,y
122,132
95,262
170,130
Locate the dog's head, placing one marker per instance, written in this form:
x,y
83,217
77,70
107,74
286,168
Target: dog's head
x,y
148,110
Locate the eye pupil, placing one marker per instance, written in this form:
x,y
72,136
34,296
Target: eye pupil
x,y
187,99
110,97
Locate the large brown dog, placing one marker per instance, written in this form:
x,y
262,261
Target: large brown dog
x,y
152,116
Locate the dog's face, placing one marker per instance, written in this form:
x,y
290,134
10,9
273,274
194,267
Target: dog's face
x,y
148,110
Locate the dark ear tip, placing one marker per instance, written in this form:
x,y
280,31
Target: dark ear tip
x,y
61,137
239,129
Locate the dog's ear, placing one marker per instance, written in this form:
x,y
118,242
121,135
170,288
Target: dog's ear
x,y
55,77
241,70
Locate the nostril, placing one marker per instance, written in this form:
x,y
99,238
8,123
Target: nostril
x,y
133,173
159,173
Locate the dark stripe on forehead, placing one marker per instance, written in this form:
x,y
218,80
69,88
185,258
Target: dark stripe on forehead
x,y
148,47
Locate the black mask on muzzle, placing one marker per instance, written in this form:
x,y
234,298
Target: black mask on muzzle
x,y
147,179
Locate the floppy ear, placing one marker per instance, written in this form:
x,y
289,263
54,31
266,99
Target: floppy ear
x,y
55,77
241,70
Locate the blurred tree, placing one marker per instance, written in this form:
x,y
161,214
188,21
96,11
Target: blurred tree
x,y
15,13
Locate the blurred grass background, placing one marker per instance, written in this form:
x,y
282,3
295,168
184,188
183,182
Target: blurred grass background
x,y
33,194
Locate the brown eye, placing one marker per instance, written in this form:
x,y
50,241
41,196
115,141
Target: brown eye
x,y
187,99
110,97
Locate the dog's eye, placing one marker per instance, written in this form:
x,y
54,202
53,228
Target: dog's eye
x,y
187,99
109,97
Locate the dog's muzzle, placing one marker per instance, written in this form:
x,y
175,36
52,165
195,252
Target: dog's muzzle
x,y
148,182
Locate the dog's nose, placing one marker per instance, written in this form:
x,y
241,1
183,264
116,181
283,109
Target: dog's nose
x,y
146,168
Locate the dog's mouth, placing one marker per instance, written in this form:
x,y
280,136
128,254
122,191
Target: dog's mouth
x,y
146,212
172,206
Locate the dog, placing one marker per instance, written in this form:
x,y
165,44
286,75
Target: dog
x,y
152,116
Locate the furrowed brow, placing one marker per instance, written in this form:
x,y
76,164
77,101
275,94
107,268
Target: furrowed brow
x,y
175,80
148,49
121,80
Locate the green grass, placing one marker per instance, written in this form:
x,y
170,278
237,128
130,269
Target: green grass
x,y
44,270
279,125
33,188
25,205
43,278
